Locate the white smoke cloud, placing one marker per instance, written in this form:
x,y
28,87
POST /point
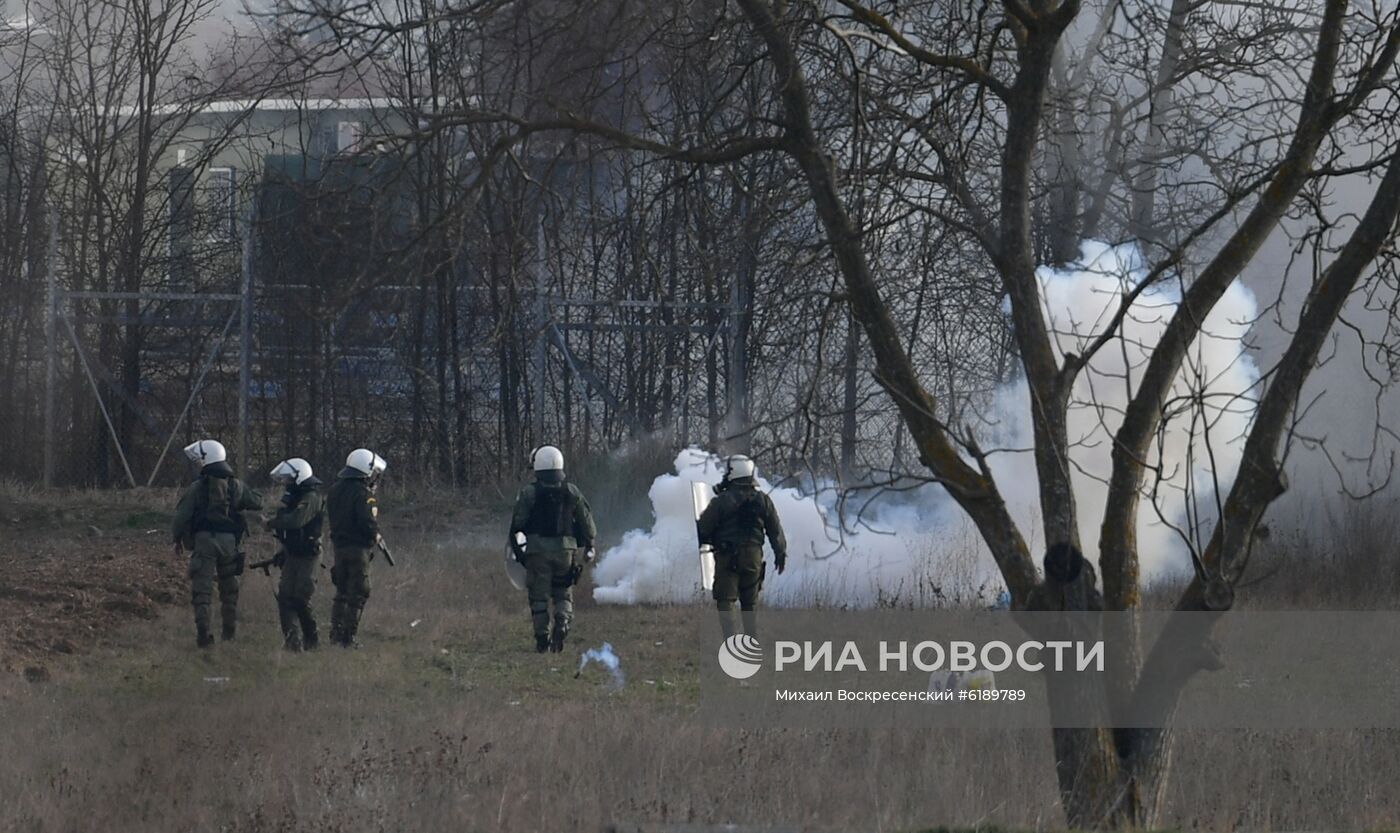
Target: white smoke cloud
x,y
1198,446
607,659
918,547
914,549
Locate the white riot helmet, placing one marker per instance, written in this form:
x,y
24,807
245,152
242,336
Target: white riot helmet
x,y
547,458
292,471
366,462
205,452
740,466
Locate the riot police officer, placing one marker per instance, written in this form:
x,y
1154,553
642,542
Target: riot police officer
x,y
353,512
552,523
734,526
297,528
209,522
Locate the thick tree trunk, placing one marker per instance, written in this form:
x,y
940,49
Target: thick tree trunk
x,y
972,488
1112,779
1145,412
1108,778
1090,780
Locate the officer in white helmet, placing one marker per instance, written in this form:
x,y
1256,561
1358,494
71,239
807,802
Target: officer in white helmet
x,y
734,526
210,524
297,527
551,525
353,512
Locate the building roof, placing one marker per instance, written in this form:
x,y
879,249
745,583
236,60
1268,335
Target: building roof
x,y
269,105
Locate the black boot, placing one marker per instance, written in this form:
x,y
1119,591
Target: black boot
x,y
203,637
337,620
310,640
337,625
228,614
556,641
350,627
291,637
539,620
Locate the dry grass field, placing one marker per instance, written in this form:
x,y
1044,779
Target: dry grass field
x,y
447,719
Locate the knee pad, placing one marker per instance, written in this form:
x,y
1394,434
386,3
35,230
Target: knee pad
x,y
724,604
720,594
357,584
539,607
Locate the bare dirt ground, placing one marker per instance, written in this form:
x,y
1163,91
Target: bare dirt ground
x,y
448,720
73,574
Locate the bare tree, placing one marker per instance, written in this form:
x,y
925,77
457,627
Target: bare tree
x,y
125,82
708,220
1215,121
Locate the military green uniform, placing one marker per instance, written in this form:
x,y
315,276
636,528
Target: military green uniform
x,y
734,525
354,520
297,525
557,523
209,522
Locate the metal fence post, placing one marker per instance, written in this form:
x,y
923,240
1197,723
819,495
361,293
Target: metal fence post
x,y
245,338
50,351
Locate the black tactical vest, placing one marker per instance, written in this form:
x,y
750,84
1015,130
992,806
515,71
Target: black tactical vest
x,y
552,513
749,513
215,512
741,520
304,541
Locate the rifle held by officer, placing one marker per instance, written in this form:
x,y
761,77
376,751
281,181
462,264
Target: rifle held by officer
x,y
277,560
384,548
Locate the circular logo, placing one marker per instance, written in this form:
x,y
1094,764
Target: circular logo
x,y
740,656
